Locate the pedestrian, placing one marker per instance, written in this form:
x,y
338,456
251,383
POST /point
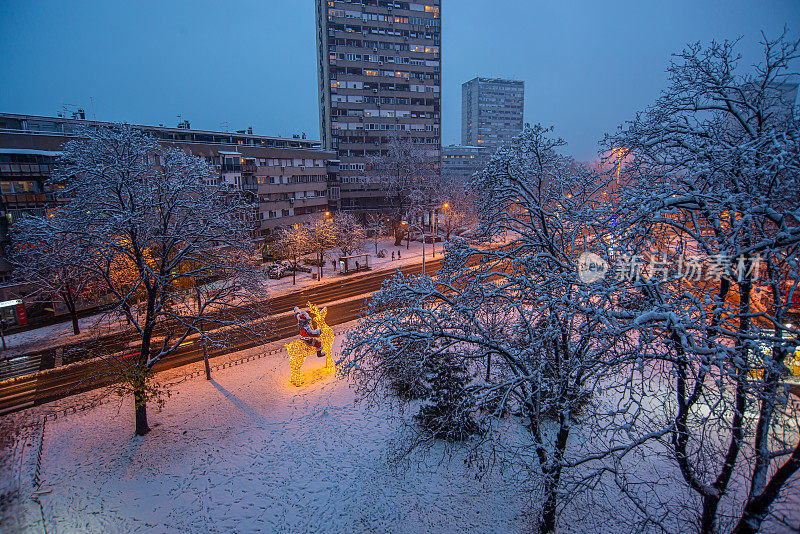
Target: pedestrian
x,y
393,255
398,254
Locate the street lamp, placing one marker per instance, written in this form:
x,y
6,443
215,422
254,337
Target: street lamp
x,y
444,206
404,223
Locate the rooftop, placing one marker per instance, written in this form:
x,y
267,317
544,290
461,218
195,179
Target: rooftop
x,y
42,125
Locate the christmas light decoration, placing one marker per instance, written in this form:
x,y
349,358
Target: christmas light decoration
x,y
299,350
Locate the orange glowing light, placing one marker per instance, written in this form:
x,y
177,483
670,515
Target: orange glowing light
x,y
299,350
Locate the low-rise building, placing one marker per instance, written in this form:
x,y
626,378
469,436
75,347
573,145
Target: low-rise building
x,y
460,162
287,178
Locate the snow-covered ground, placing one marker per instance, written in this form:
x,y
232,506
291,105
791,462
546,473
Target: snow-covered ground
x,y
248,452
61,334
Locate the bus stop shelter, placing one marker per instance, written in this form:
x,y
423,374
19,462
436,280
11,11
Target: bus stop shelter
x,y
351,264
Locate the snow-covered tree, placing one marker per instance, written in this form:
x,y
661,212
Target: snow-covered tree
x,y
49,263
376,220
320,237
711,193
407,174
532,336
456,213
292,243
148,212
348,234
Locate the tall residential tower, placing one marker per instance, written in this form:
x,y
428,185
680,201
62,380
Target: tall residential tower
x,y
379,67
491,111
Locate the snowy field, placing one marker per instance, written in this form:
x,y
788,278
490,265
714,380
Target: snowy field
x,y
248,452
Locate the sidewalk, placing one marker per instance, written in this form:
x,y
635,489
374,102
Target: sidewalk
x,y
48,336
410,256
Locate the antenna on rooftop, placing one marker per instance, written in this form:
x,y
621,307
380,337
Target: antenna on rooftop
x,y
66,110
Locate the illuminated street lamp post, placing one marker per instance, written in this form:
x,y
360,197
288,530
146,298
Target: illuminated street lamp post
x,y
435,211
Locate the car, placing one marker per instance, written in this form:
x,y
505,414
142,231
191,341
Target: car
x,y
277,271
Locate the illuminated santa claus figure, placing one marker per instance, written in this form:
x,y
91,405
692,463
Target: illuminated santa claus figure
x,y
309,334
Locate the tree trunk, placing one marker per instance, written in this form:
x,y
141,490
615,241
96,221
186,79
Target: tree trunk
x,y
756,508
138,383
547,523
70,302
552,473
205,352
140,401
709,519
294,271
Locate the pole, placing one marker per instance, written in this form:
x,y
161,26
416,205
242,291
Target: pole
x,y
423,251
434,235
202,335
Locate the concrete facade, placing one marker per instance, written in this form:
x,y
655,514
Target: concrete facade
x,y
379,73
491,111
460,162
287,179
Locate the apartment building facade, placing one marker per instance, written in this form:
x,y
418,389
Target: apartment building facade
x,y
379,72
491,111
460,162
287,179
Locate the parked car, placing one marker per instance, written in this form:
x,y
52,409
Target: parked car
x,y
297,267
277,271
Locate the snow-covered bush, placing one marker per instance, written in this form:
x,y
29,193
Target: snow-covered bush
x,y
443,414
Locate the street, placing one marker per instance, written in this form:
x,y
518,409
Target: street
x,y
25,389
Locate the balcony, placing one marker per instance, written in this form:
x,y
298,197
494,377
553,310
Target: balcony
x,y
27,198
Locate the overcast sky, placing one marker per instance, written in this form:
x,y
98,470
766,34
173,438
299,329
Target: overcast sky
x,y
587,66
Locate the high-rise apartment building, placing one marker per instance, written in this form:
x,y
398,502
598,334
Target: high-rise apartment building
x,y
379,66
491,111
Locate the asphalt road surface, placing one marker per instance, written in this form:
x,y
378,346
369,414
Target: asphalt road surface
x,y
22,389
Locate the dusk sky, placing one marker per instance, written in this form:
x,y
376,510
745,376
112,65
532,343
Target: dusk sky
x,y
587,66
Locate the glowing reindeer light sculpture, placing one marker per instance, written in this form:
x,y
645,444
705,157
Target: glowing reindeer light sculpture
x,y
299,350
